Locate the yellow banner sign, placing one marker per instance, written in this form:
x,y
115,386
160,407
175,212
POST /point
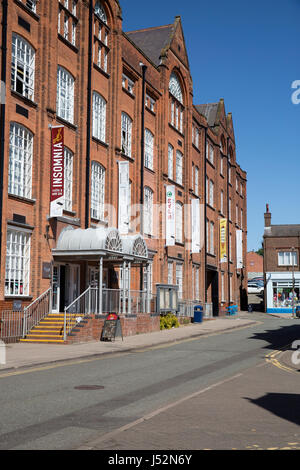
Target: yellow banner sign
x,y
223,240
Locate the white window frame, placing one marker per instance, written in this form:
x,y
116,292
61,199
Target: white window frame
x,y
20,161
287,258
31,4
99,116
149,149
170,162
22,67
68,179
97,190
211,193
178,222
170,272
148,210
212,238
222,201
65,95
17,267
179,167
196,187
126,134
179,279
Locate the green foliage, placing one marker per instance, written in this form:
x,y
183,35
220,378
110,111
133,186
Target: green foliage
x,y
168,321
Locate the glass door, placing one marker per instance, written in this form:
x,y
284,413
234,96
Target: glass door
x,y
56,288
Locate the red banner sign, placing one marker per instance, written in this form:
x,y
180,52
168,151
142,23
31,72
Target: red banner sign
x,y
57,171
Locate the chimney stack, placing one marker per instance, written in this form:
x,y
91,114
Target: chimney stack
x,y
268,216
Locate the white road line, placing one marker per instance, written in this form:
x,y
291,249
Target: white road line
x,y
151,415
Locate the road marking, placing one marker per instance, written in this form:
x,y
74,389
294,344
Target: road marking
x,y
271,359
154,413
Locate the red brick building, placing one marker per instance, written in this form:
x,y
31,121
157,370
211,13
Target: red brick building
x,y
255,264
120,98
281,266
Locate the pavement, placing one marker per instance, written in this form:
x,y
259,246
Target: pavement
x,y
20,355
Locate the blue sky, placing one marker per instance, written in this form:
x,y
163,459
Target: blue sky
x,y
248,54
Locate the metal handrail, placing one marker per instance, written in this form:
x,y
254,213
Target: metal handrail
x,y
68,324
32,311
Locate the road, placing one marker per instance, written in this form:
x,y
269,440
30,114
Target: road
x,y
235,390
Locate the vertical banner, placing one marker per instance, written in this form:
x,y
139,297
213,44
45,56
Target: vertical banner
x,y
223,240
239,249
195,225
170,215
123,212
57,171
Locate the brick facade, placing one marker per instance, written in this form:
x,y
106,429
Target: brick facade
x,y
124,53
281,266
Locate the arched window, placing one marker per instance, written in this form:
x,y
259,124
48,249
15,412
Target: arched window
x,y
68,181
20,161
179,167
97,191
176,103
149,149
65,95
100,12
101,37
126,134
22,67
99,116
175,87
148,210
178,222
170,161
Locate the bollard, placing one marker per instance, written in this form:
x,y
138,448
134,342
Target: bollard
x,y
2,353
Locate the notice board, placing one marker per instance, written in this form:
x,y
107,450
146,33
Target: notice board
x,y
112,326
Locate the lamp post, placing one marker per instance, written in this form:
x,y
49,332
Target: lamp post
x,y
293,283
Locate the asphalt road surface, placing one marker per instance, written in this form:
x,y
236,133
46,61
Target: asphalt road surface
x,y
235,390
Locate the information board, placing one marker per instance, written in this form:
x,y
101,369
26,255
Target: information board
x,y
111,326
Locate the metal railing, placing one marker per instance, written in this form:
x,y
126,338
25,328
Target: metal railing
x,y
15,324
37,310
11,325
121,301
186,307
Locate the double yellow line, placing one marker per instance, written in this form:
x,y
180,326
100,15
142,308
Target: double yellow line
x,y
271,358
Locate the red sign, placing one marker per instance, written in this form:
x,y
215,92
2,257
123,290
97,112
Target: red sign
x,y
112,316
57,163
57,171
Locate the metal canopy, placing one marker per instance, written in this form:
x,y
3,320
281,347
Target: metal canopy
x,y
100,242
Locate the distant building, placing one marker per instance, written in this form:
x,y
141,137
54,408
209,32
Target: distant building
x,y
255,264
281,266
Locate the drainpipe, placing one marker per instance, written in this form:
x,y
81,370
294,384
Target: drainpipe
x,y
205,215
2,124
144,69
228,232
88,122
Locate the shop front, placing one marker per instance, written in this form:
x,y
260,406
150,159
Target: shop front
x,y
282,292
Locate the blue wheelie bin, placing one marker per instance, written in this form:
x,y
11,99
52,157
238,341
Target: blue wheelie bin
x,y
198,314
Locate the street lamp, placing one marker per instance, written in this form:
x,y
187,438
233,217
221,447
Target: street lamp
x,y
293,278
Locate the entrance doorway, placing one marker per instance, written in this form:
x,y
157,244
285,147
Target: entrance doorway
x,y
65,285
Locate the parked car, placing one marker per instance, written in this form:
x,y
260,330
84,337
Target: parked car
x,y
254,288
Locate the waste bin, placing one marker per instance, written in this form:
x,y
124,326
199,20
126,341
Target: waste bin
x,y
298,311
198,314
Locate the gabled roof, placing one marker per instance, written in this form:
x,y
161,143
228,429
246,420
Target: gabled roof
x,y
209,111
292,230
152,41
